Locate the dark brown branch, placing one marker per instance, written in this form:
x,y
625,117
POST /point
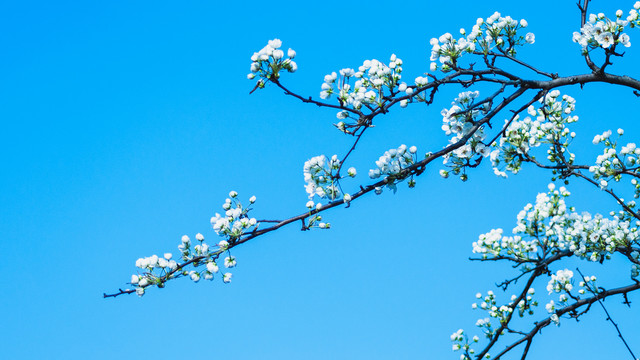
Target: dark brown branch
x,y
568,309
540,269
120,292
311,101
526,349
415,169
583,79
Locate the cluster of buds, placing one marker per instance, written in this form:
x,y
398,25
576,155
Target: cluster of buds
x,y
457,122
235,220
392,163
560,281
546,124
613,163
461,343
269,61
494,243
321,177
494,32
372,79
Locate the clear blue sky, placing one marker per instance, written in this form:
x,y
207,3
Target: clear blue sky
x,y
125,124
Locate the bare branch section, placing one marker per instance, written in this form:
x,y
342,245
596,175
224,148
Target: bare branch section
x,y
534,114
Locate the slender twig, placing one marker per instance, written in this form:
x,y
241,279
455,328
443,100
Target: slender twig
x,y
520,62
353,147
610,192
311,101
593,291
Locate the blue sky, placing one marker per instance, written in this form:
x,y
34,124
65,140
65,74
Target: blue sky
x,y
126,124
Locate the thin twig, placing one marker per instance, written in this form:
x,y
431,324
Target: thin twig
x,y
633,357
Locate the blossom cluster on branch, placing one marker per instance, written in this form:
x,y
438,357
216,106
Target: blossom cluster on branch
x,y
495,32
235,222
605,33
546,232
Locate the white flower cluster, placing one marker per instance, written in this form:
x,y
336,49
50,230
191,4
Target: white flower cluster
x,y
320,176
494,32
550,306
560,281
152,262
602,32
235,220
485,324
525,305
157,269
460,342
590,283
548,126
188,252
500,312
550,224
203,250
212,268
612,163
267,63
230,226
458,335
373,77
493,243
391,164
457,122
490,305
596,238
162,265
